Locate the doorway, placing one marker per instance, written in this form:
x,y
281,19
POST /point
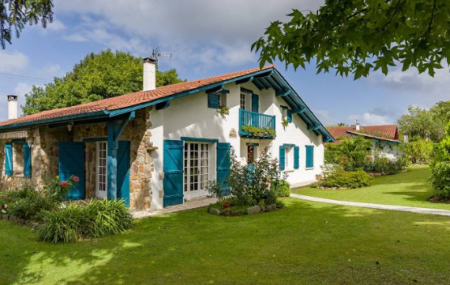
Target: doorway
x,y
197,162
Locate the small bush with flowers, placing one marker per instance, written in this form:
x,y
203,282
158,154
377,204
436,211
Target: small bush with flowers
x,y
258,184
57,190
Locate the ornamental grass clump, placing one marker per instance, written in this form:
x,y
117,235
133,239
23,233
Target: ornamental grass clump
x,y
93,219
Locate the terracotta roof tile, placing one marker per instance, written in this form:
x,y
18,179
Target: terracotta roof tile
x,y
129,100
384,131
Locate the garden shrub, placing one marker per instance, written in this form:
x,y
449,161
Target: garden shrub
x,y
418,151
94,219
282,188
440,169
340,178
251,184
25,203
57,191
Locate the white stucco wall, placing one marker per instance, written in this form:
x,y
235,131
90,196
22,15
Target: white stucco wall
x,y
190,117
388,150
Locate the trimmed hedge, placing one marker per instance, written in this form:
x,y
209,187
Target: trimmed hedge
x,y
344,179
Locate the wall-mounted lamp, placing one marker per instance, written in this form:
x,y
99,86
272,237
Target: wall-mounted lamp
x,y
69,126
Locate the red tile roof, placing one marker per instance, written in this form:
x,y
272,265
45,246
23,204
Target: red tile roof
x,y
372,136
129,100
380,131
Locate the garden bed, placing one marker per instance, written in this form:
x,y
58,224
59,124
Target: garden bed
x,y
218,209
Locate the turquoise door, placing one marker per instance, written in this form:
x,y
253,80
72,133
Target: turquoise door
x,y
173,172
123,172
223,166
71,162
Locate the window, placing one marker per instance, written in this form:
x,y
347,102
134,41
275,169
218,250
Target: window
x,y
251,153
243,100
102,169
288,163
222,100
18,158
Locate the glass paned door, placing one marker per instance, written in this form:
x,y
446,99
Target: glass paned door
x,y
196,169
101,190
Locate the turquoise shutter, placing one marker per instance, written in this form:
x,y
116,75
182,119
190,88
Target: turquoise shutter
x,y
282,157
309,156
255,103
296,157
213,100
26,160
123,172
8,159
173,172
71,162
223,166
289,116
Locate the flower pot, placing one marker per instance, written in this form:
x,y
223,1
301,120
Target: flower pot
x,y
226,205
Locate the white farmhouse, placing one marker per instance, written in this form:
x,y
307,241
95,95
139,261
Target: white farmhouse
x,y
158,147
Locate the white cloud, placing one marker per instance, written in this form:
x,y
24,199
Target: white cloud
x,y
22,88
369,118
325,117
56,26
12,61
225,30
50,71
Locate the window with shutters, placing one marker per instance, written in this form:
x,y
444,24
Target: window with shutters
x,y
222,100
289,158
309,157
17,159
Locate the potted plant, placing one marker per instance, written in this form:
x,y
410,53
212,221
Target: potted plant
x,y
224,110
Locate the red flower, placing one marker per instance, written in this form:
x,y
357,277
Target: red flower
x,y
368,158
64,184
76,179
344,159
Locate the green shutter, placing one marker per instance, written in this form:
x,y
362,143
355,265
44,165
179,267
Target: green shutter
x,y
282,157
296,157
213,100
26,160
309,156
289,116
8,159
223,167
173,172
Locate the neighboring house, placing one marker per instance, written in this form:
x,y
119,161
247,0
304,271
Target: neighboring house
x,y
385,138
160,147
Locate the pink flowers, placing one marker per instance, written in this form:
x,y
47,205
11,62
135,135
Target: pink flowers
x,y
5,197
64,184
76,179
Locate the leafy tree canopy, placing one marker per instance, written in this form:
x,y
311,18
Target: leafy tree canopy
x,y
15,14
360,36
426,124
97,76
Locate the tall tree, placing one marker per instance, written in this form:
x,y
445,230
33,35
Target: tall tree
x,y
15,14
420,123
97,76
359,36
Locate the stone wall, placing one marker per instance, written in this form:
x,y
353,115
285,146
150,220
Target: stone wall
x,y
45,157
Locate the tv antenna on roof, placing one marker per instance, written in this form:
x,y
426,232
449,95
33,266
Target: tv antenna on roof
x,y
156,54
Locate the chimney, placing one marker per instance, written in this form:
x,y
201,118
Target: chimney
x,y
405,138
357,127
149,74
12,107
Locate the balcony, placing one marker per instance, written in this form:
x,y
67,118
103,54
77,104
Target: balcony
x,y
256,125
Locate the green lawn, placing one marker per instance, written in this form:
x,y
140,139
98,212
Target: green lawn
x,y
410,188
305,243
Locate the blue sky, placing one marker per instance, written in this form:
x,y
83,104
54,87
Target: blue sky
x,y
206,38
